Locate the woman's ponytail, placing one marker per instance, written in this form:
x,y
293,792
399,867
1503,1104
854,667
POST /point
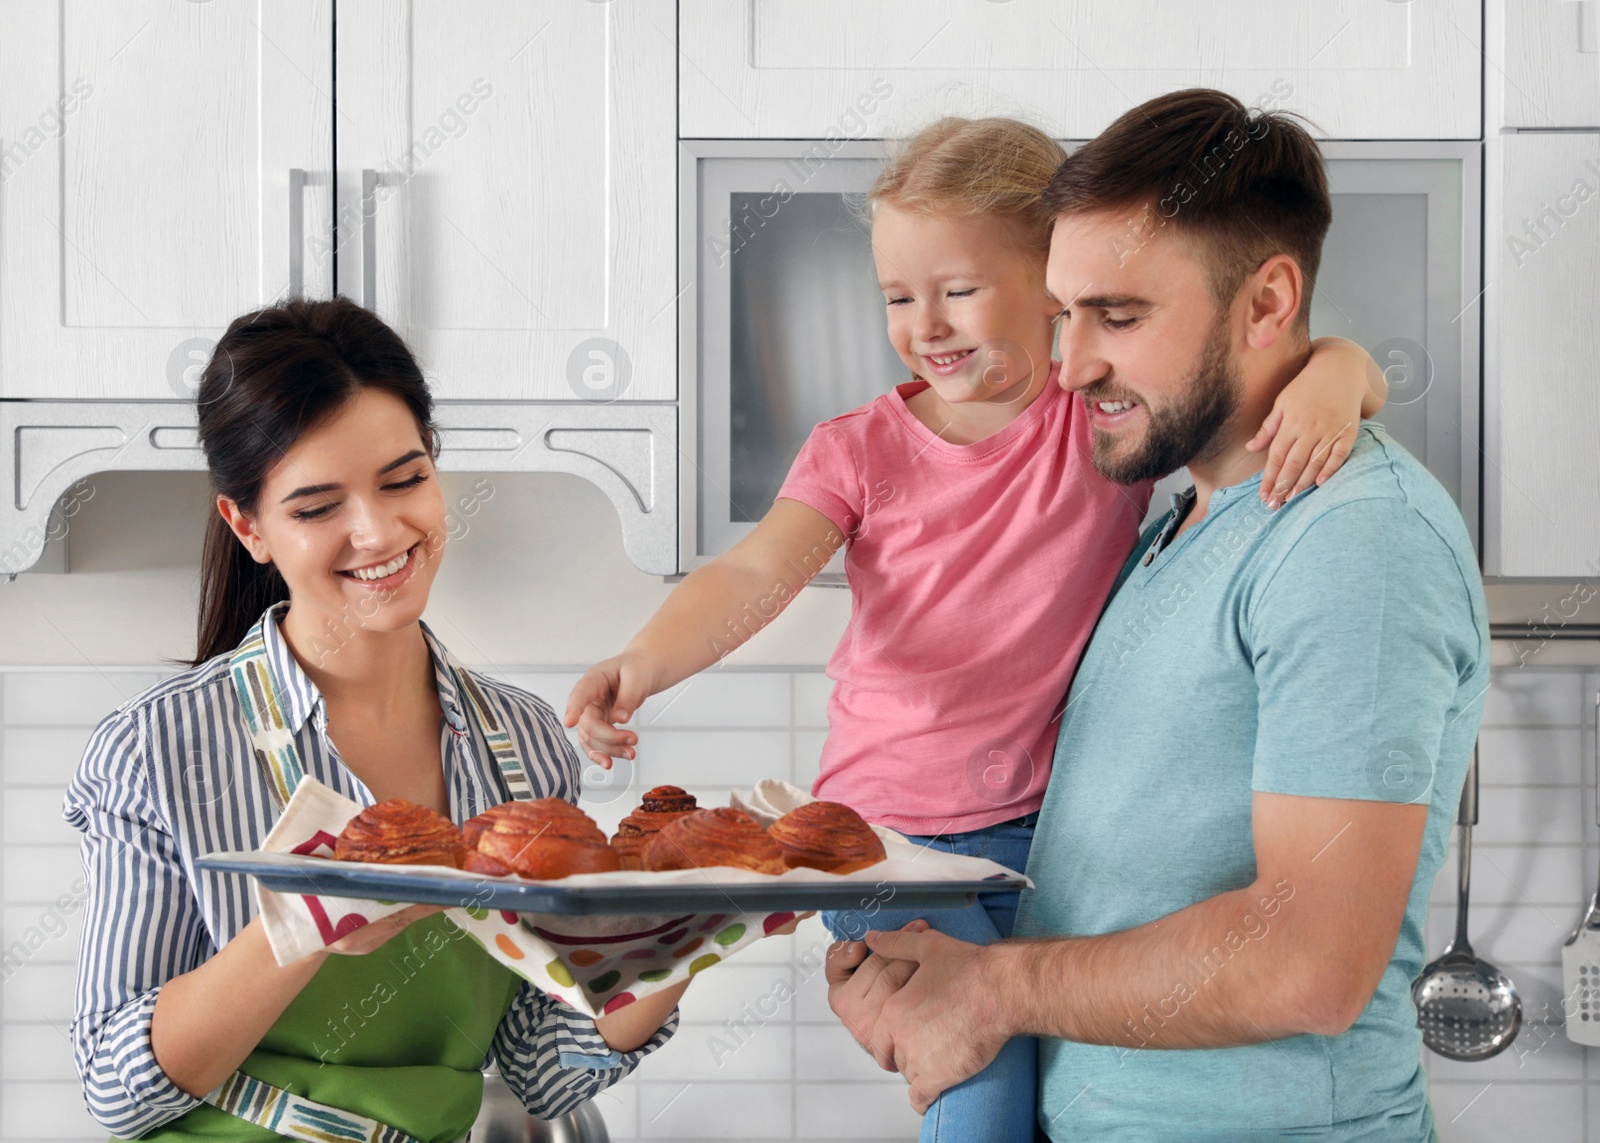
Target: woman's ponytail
x,y
234,590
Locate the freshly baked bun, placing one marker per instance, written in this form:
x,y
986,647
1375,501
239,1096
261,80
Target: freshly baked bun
x,y
475,862
473,828
828,836
661,805
544,840
723,836
398,832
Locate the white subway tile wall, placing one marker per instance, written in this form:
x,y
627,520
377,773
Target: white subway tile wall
x,y
753,1061
1534,859
45,720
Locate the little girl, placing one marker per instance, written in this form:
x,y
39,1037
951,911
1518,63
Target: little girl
x,y
981,546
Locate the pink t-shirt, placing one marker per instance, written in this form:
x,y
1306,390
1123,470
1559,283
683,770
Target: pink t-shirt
x,y
977,573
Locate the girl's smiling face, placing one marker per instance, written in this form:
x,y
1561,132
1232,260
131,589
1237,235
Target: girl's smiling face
x,y
967,308
352,516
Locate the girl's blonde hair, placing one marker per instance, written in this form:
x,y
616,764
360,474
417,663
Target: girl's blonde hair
x,y
991,166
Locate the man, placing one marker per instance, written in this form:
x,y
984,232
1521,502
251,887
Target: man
x,y
1264,746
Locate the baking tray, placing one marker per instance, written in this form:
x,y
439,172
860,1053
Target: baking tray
x,y
322,877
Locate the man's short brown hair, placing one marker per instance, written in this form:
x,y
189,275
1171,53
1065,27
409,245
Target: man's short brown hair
x,y
1247,184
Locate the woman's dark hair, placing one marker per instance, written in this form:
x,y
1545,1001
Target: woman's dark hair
x,y
1248,183
276,374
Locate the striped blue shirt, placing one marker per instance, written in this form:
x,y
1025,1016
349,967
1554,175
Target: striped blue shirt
x,y
169,776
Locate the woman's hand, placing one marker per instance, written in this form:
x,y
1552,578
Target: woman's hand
x,y
608,694
631,1027
377,933
628,1028
195,1049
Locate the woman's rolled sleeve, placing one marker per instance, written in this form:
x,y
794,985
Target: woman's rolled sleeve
x,y
554,1058
140,928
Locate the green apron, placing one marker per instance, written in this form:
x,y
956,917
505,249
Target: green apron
x,y
397,1036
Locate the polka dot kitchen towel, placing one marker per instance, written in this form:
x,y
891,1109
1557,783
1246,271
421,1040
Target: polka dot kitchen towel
x,y
599,964
594,963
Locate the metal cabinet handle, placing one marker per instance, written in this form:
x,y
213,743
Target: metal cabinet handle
x,y
297,232
369,239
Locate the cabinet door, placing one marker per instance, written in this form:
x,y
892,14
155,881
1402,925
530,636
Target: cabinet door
x,y
1551,75
1541,349
146,150
858,68
507,174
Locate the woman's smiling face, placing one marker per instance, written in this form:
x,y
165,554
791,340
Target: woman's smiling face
x,y
352,516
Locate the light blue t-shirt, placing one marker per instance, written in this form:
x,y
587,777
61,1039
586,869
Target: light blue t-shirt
x,y
1337,648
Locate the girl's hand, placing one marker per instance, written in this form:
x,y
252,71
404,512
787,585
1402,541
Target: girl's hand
x,y
378,933
1305,447
1314,420
608,694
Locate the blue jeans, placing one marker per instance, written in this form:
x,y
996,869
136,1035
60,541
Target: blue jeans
x,y
998,1104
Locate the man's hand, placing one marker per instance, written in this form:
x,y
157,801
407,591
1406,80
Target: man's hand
x,y
859,985
943,1026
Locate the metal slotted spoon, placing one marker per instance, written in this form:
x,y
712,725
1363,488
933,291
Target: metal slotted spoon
x,y
1466,1007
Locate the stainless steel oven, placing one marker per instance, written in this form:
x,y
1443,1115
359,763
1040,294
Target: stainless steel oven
x,y
782,323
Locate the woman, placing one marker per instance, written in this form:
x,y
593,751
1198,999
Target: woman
x,y
317,428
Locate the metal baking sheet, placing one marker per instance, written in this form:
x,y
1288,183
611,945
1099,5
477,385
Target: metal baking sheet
x,y
296,873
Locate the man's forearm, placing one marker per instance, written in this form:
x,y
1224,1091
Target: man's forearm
x,y
1222,972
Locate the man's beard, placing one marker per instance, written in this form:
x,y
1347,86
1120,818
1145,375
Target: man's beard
x,y
1184,431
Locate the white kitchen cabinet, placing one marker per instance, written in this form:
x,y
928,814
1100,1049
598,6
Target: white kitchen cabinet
x,y
163,167
1542,355
1546,57
502,191
506,194
814,69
